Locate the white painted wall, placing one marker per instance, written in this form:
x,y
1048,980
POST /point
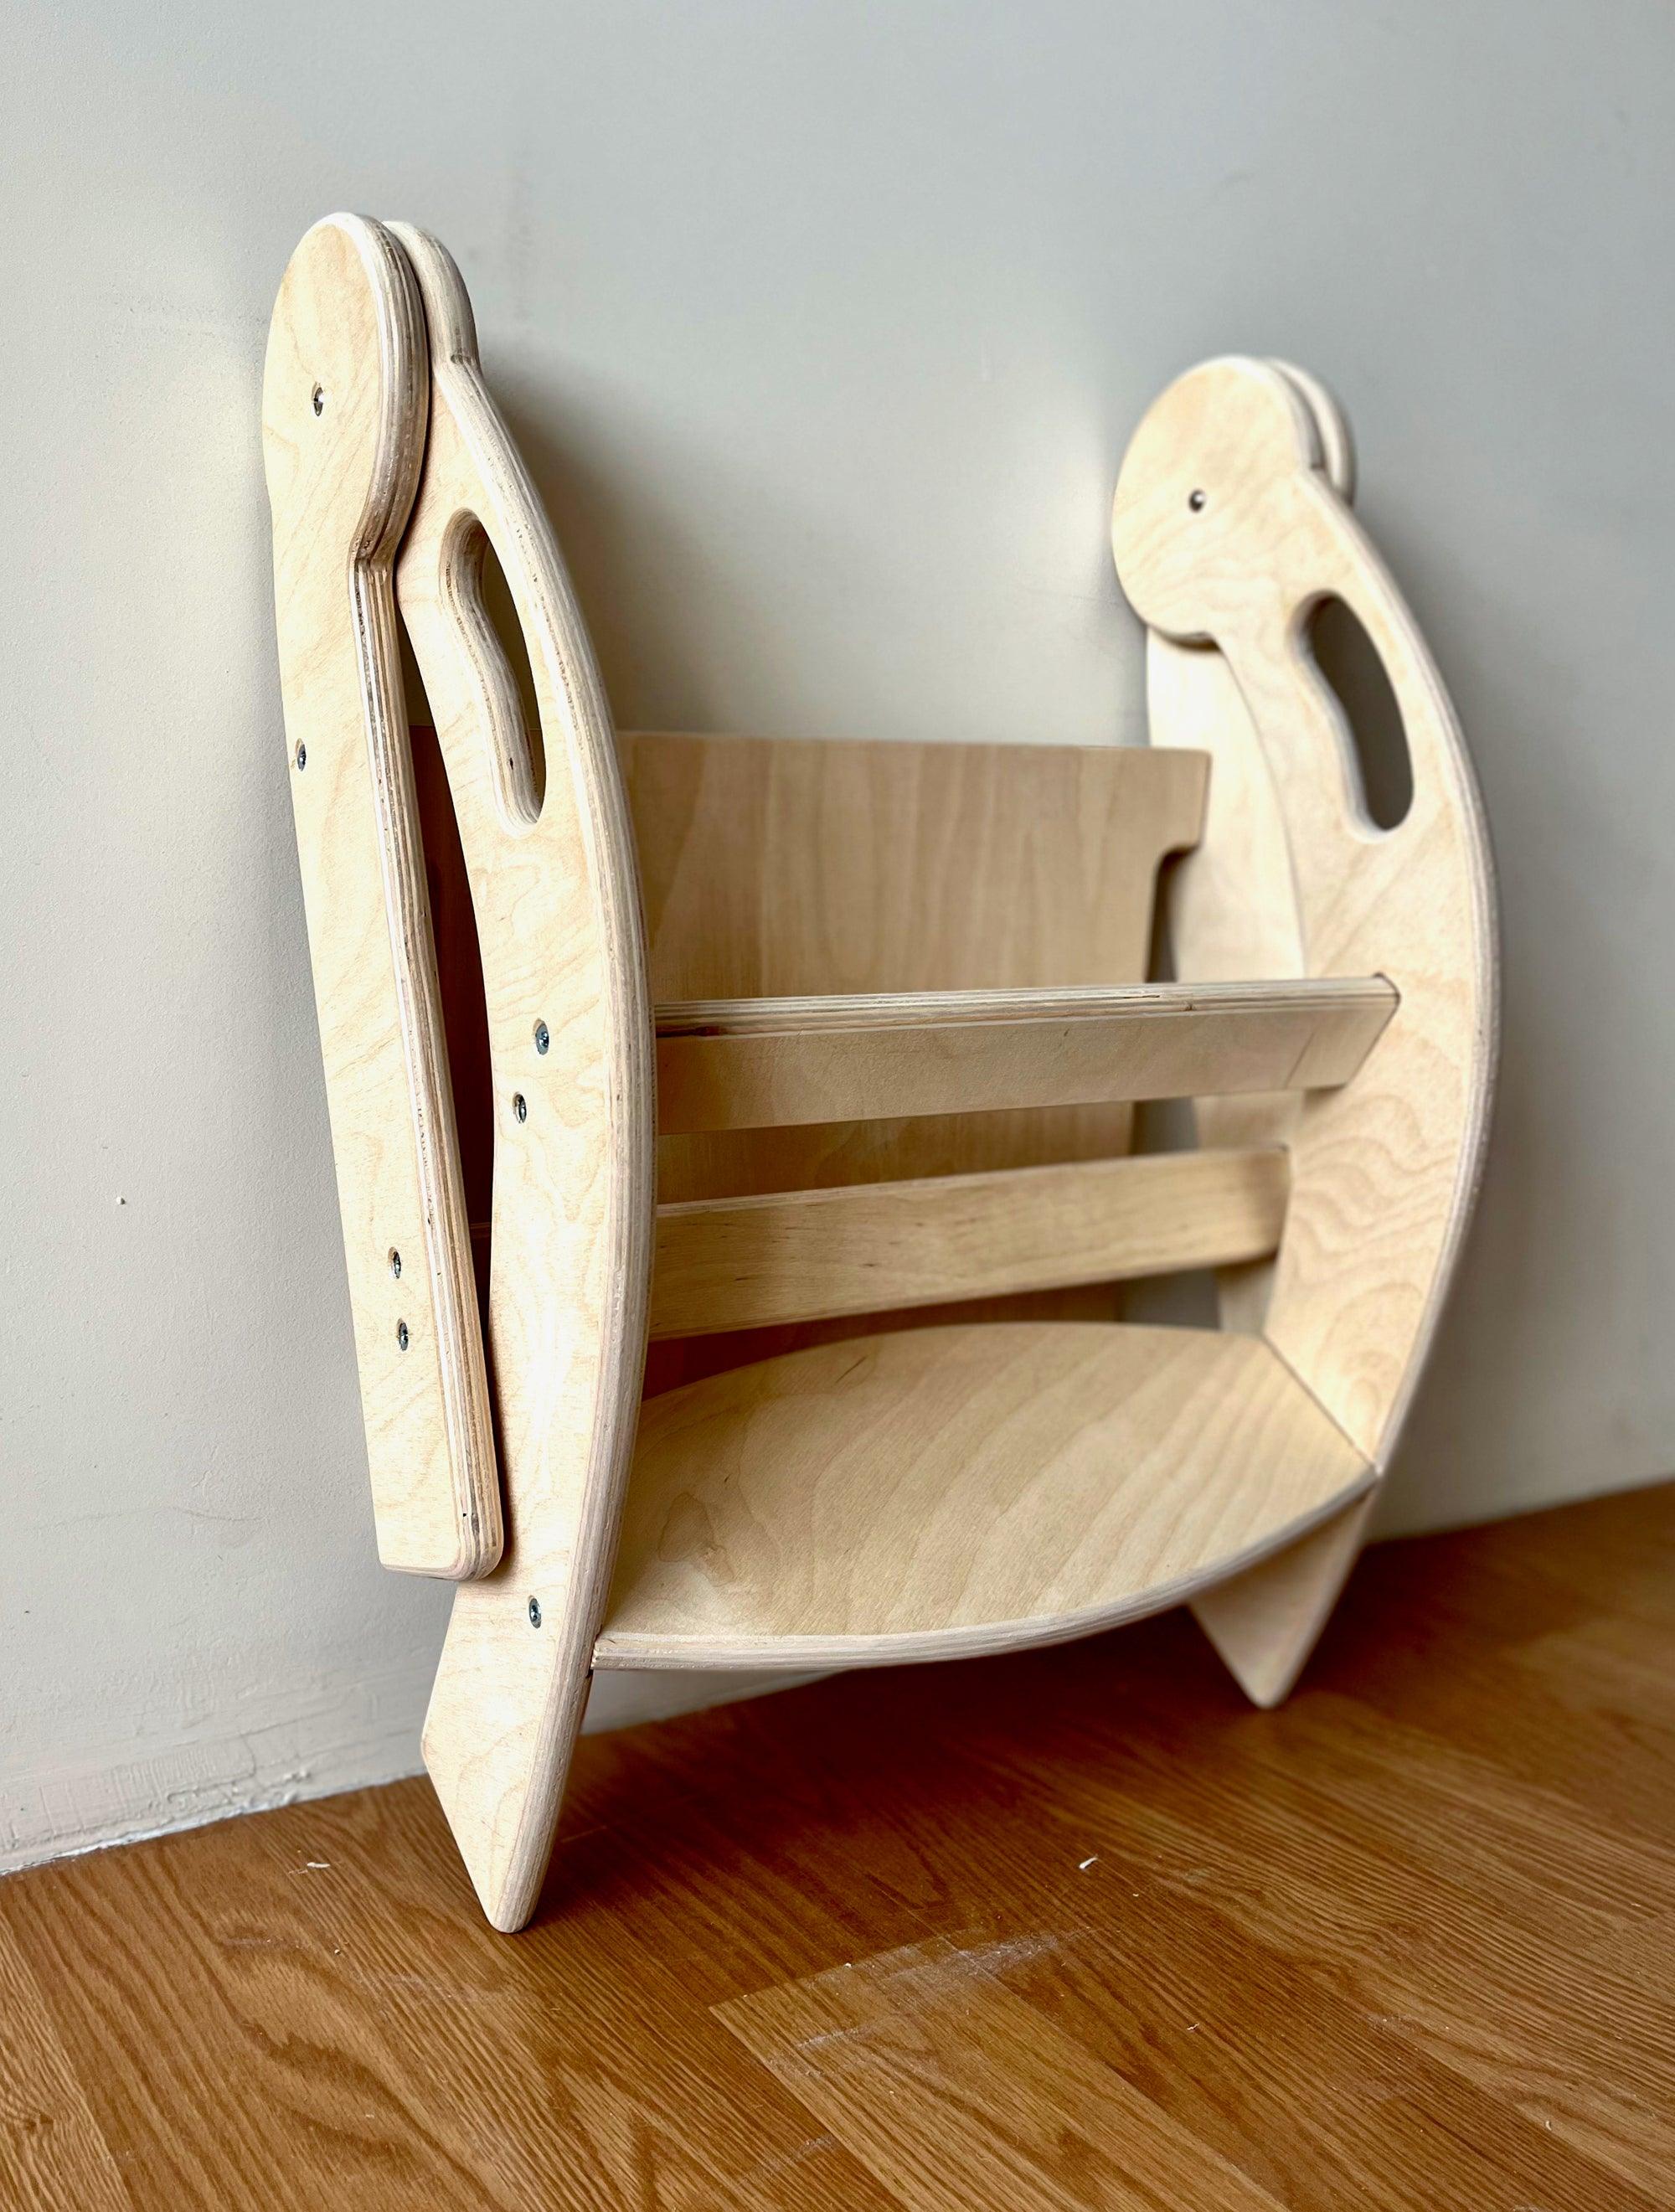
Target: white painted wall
x,y
824,323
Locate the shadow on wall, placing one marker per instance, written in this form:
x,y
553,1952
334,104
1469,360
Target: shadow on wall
x,y
657,645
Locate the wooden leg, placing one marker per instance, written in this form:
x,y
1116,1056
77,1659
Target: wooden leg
x,y
1264,1623
503,1721
555,899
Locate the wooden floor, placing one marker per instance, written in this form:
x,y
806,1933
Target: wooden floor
x,y
1075,1928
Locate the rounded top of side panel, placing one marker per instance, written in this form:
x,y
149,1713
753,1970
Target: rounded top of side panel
x,y
344,386
1205,492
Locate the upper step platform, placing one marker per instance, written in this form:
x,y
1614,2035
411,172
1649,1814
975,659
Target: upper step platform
x,y
770,1063
935,1493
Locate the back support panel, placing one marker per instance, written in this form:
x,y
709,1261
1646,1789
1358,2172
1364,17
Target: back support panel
x,y
783,866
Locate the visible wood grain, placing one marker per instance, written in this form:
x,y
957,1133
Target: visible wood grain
x,y
1226,529
1231,521
960,2097
1415,1946
1408,1943
1264,1622
783,867
941,1489
343,410
805,1255
285,2047
765,1063
51,2151
570,1027
941,1492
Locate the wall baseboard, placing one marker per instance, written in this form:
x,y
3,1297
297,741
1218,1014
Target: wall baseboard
x,y
293,1743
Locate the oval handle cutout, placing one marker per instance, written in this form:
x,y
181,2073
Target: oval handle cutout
x,y
1350,666
493,638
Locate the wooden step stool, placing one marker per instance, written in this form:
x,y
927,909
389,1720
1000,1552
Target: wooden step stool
x,y
816,1063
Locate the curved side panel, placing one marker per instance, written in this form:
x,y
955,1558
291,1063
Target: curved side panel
x,y
556,898
1228,529
1267,892
1233,911
344,425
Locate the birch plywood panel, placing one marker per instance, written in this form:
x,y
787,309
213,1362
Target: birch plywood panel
x,y
812,1254
344,425
1231,524
569,1027
779,868
939,1492
1227,529
763,1063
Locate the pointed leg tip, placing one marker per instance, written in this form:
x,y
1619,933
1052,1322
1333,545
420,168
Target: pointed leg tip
x,y
1264,1622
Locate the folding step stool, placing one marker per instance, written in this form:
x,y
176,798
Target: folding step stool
x,y
816,1063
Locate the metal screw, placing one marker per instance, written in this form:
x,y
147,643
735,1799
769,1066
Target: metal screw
x,y
395,1263
534,1613
402,1337
301,755
543,1036
1195,501
521,1106
319,399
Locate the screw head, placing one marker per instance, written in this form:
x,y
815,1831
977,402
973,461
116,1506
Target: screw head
x,y
521,1106
395,1263
319,399
301,755
543,1036
402,1340
1195,501
534,1613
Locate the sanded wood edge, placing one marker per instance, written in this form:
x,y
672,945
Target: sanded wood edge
x,y
711,805
344,400
772,1063
814,1255
871,1010
1237,476
1264,1622
622,1648
556,893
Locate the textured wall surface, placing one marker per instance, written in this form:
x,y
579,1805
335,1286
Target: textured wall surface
x,y
823,325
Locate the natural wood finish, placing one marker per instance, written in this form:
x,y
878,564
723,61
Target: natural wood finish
x,y
343,408
885,967
745,842
899,2051
1232,909
569,1028
787,867
941,1492
1290,877
1264,1622
768,1062
52,2151
1226,529
811,1255
1408,1943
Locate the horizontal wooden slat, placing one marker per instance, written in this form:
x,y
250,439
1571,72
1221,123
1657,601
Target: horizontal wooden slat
x,y
776,866
769,1063
811,1255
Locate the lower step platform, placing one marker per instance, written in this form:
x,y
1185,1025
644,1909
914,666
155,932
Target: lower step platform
x,y
939,1492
